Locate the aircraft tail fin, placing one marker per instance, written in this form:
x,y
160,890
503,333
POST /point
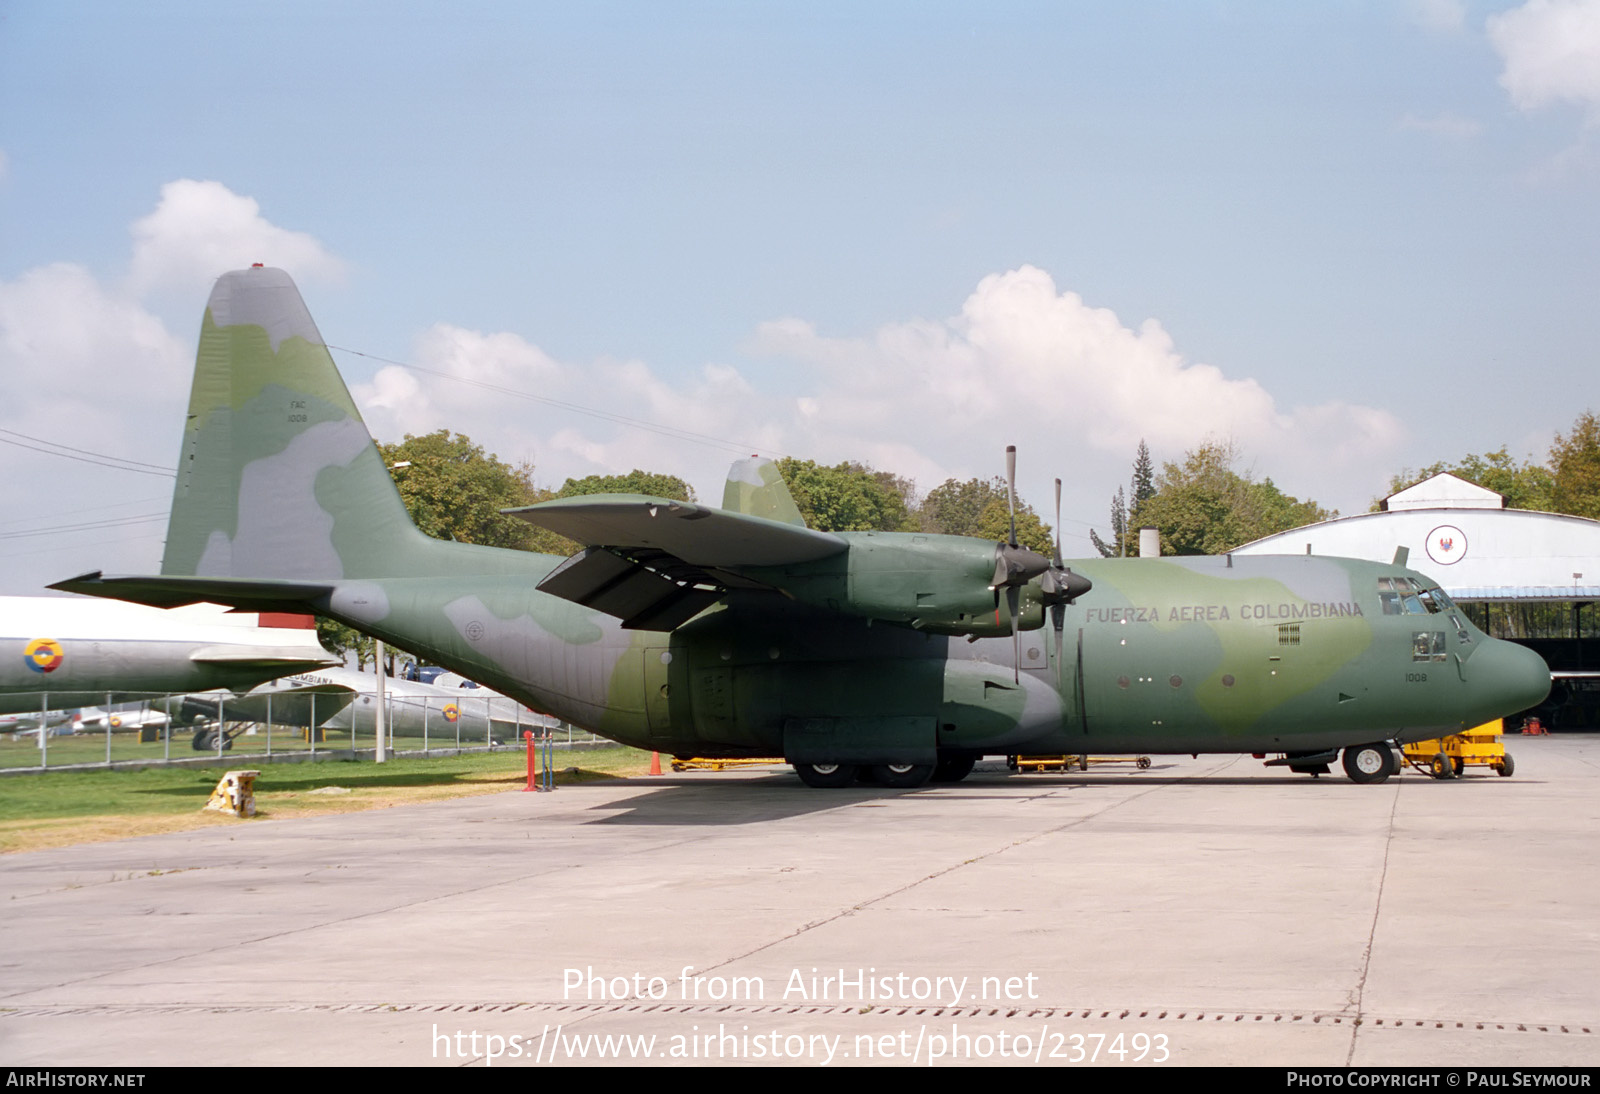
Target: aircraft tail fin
x,y
756,488
278,476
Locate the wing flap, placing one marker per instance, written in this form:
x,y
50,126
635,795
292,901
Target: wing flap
x,y
643,598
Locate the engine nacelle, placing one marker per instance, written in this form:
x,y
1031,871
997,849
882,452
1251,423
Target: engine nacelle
x,y
932,582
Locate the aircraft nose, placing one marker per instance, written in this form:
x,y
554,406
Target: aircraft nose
x,y
1506,678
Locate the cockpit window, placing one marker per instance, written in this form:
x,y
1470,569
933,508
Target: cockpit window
x,y
1388,596
1400,598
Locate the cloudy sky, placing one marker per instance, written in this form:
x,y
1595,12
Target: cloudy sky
x,y
1350,237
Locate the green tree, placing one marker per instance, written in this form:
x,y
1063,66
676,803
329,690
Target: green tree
x,y
848,497
1205,507
1143,486
1575,467
1526,486
1127,509
455,490
1119,527
995,523
342,641
954,508
635,482
978,508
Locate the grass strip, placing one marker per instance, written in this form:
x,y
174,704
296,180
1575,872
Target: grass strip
x,y
54,809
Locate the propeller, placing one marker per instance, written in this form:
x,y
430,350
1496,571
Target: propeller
x,y
1016,565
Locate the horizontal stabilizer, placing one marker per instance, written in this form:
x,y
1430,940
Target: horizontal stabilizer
x,y
696,534
287,658
175,590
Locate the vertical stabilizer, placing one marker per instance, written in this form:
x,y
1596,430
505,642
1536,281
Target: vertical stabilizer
x,y
756,488
278,477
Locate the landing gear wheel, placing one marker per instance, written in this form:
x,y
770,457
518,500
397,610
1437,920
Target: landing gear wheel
x,y
826,776
1507,766
206,741
1440,767
901,776
1368,763
953,769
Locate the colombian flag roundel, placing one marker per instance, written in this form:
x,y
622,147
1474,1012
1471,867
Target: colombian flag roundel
x,y
43,655
451,712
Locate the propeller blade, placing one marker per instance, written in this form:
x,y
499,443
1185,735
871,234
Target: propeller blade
x,y
1013,598
1058,524
1011,491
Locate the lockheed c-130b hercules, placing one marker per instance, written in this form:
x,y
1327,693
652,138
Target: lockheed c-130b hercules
x,y
738,631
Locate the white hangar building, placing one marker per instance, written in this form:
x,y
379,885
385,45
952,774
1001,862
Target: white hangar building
x,y
1519,574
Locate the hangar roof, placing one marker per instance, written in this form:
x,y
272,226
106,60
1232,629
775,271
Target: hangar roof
x,y
1474,553
1444,491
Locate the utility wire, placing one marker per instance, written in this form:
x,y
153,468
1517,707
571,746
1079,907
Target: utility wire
x,y
83,455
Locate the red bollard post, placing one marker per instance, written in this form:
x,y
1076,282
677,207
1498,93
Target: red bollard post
x,y
527,736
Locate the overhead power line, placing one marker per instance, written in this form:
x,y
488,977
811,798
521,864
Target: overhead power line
x,y
83,455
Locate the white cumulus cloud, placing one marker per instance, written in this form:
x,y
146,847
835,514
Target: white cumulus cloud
x,y
1551,50
200,230
89,364
1021,362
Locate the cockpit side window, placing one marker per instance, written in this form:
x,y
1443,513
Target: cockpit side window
x,y
1388,597
1427,646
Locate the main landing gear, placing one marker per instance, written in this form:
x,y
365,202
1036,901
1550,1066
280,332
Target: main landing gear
x,y
949,769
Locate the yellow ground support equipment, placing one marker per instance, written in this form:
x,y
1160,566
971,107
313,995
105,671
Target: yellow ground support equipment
x,y
1068,763
700,763
1449,757
235,794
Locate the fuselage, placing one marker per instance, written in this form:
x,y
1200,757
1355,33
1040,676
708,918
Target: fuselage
x,y
1268,654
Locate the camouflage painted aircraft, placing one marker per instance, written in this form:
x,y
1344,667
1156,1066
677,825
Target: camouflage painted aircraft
x,y
739,631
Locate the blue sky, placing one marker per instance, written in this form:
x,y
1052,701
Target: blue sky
x,y
1350,237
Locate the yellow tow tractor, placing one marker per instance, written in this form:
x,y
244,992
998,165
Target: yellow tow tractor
x,y
1068,763
704,763
1448,757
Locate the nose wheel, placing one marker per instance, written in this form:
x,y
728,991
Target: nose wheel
x,y
1369,763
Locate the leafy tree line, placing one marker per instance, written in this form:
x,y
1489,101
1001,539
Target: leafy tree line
x,y
454,490
1567,482
852,497
1202,505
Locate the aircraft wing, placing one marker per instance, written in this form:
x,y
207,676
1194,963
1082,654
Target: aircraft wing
x,y
656,563
696,534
